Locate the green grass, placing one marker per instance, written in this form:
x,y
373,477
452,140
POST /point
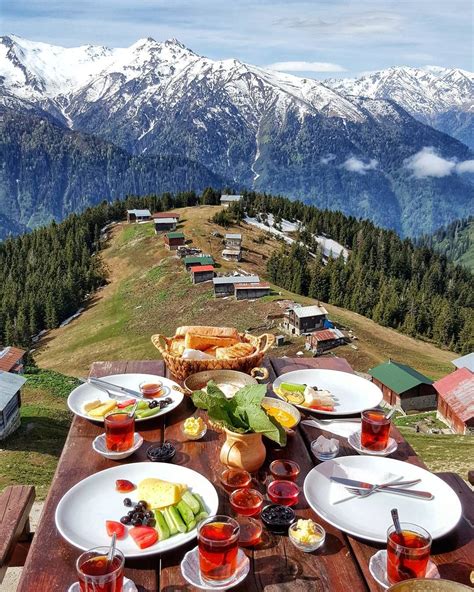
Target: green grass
x,y
429,418
442,453
30,454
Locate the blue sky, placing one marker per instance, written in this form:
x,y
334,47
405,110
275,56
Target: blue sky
x,y
319,38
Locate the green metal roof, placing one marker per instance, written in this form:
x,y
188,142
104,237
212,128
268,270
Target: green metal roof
x,y
175,234
398,377
205,260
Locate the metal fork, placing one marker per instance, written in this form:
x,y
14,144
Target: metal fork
x,y
396,490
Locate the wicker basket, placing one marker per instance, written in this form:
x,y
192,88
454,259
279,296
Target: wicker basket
x,y
182,368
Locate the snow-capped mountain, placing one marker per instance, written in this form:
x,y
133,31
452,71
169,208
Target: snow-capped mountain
x,y
256,128
441,97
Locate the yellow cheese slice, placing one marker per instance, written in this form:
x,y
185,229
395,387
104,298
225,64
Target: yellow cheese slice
x,y
103,409
92,405
158,493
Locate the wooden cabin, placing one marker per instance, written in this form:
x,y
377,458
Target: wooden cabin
x,y
225,285
12,359
324,340
161,215
138,215
233,241
227,200
165,224
198,260
301,320
404,387
251,291
456,400
202,273
232,254
173,240
10,402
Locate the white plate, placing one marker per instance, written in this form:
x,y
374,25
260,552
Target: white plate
x,y
192,574
378,569
369,518
83,510
354,441
353,394
86,392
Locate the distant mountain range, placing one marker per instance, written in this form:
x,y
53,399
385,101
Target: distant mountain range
x,y
440,97
332,146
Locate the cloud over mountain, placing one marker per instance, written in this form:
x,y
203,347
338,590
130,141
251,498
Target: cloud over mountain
x,y
428,163
356,165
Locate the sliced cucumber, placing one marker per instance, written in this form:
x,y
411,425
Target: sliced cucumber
x,y
186,513
288,386
176,516
191,525
161,526
192,502
198,498
170,522
201,516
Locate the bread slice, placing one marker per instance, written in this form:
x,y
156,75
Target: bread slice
x,y
208,331
203,342
239,350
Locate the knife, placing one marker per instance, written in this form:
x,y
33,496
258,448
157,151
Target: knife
x,y
110,388
364,485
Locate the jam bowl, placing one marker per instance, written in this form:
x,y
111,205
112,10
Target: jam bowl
x,y
277,518
307,546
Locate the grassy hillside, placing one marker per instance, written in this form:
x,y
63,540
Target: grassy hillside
x,y
150,292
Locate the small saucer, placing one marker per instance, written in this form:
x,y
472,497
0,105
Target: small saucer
x,y
192,574
128,586
354,441
378,569
99,446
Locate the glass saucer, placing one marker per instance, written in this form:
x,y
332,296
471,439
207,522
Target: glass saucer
x,y
354,441
128,586
192,574
378,569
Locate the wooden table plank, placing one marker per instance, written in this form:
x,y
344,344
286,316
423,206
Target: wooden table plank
x,y
277,564
51,562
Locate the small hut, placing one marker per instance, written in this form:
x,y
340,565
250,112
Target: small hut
x,y
225,285
232,254
10,402
227,200
202,273
138,215
456,400
12,359
198,260
173,240
251,291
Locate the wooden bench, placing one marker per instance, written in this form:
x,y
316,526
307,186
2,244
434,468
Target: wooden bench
x,y
15,536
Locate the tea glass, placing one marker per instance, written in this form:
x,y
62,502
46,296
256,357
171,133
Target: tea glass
x,y
218,544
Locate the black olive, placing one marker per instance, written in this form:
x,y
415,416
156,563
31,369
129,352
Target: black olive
x,y
127,501
143,503
136,522
149,522
149,515
131,513
125,519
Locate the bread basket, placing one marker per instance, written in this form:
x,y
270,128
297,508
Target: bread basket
x,y
182,368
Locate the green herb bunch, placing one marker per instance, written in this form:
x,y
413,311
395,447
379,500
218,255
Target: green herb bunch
x,y
243,413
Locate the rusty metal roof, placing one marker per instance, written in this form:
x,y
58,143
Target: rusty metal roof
x,y
255,286
9,357
158,215
327,335
457,390
201,268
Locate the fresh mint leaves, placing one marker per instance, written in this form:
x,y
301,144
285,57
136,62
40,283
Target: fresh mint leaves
x,y
242,413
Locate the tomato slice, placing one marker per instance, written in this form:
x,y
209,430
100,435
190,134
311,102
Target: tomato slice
x,y
144,536
124,485
322,407
124,404
116,528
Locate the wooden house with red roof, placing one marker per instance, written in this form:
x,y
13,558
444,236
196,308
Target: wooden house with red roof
x,y
456,400
202,273
12,359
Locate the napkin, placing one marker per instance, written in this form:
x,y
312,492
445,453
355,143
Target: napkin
x,y
338,492
340,428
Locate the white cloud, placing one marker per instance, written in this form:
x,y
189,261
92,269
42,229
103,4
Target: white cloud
x,y
306,67
428,163
356,165
467,166
327,159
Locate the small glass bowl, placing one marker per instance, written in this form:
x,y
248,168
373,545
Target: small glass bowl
x,y
250,531
246,502
198,436
283,492
151,390
229,474
306,547
161,452
277,518
323,455
285,469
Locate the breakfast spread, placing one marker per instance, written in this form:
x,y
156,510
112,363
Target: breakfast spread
x,y
164,509
306,396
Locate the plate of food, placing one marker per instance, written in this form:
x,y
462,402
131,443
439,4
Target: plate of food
x,y
369,517
89,402
151,507
329,392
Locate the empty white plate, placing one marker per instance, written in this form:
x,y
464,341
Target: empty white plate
x,y
369,517
353,394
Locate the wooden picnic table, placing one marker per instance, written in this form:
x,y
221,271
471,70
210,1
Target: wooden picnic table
x,y
276,565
